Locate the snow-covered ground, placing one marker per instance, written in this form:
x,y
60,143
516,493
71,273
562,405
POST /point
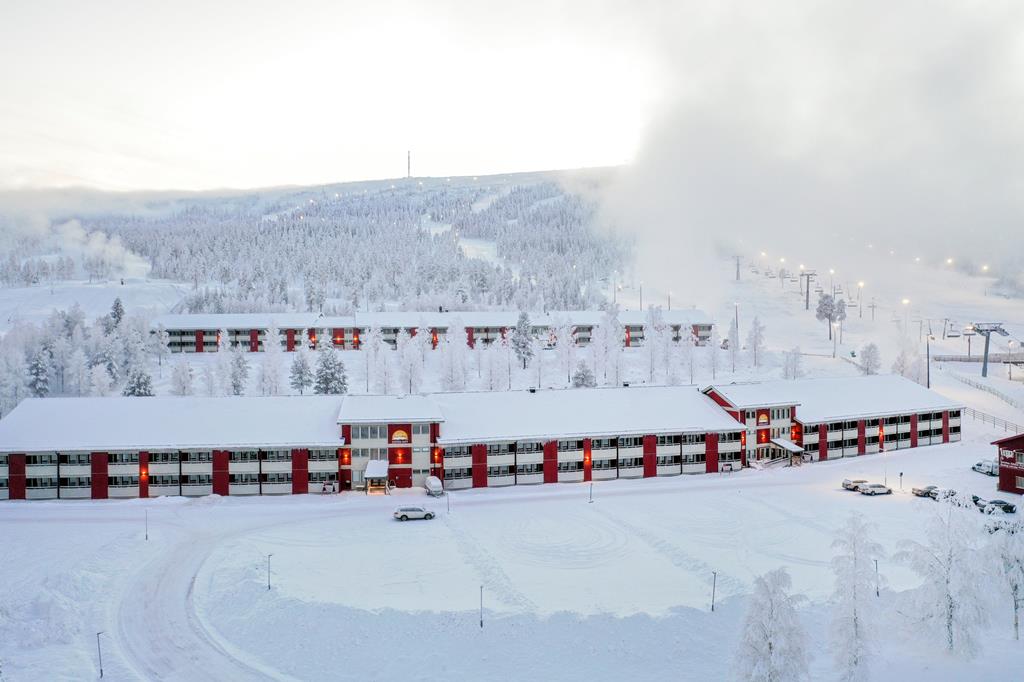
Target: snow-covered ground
x,y
35,304
617,588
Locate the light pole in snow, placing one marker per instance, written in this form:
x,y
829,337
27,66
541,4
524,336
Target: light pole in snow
x,y
147,524
268,570
99,651
860,296
481,607
714,585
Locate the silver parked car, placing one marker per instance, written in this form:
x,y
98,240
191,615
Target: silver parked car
x,y
406,513
874,489
853,483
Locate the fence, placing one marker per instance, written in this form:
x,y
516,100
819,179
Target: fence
x,y
988,389
998,422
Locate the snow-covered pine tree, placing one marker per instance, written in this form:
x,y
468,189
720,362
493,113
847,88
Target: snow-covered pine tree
x,y
239,370
269,378
755,339
139,384
117,311
300,376
410,365
39,374
181,378
372,346
1007,550
854,624
211,382
583,377
772,647
160,342
330,371
870,359
687,343
522,339
77,372
654,342
950,601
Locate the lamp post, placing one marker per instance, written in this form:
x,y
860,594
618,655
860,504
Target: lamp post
x,y
737,304
670,299
641,295
928,360
860,295
835,338
906,314
99,651
268,570
1009,364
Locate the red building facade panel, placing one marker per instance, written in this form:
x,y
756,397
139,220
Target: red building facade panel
x,y
587,463
478,457
913,430
221,476
822,442
551,461
300,472
100,462
16,477
650,456
862,439
143,474
711,453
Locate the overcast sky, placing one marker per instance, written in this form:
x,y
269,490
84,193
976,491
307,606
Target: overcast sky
x,y
826,124
196,95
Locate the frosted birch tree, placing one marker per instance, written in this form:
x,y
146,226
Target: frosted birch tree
x,y
755,340
854,606
771,648
714,344
372,346
181,378
1007,549
950,602
269,378
734,343
565,346
870,359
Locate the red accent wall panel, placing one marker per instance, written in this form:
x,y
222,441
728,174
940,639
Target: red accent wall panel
x,y
862,439
346,434
796,433
254,340
469,337
437,462
220,473
311,334
587,463
338,337
16,477
143,474
300,472
711,453
551,461
402,476
628,339
913,430
289,339
356,343
199,341
433,337
100,462
435,431
478,455
721,401
650,456
945,426
822,442
344,475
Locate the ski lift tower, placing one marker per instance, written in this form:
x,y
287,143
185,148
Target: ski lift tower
x,y
986,329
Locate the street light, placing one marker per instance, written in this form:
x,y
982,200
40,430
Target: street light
x,y
670,299
906,314
268,570
835,338
928,360
860,293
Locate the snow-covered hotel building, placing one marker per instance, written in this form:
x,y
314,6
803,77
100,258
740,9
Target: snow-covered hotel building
x,y
1011,463
144,447
199,333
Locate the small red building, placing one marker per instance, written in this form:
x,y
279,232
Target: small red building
x,y
1011,463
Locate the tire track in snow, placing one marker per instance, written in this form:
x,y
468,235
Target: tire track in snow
x,y
490,570
677,556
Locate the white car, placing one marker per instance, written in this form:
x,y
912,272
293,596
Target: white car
x,y
406,513
874,489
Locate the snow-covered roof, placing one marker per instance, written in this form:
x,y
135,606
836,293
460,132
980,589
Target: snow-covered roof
x,y
413,319
832,398
376,468
165,423
582,412
787,445
240,321
388,409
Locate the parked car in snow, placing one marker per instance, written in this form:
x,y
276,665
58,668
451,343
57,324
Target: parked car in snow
x,y
434,486
406,513
874,489
853,484
992,506
943,494
987,466
926,491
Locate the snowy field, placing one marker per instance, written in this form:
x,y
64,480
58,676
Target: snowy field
x,y
35,304
617,588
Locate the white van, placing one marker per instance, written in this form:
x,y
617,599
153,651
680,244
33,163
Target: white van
x,y
434,486
987,466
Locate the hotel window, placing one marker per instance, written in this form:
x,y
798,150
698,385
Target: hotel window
x,y
277,455
601,444
525,469
322,476
244,456
196,479
458,451
322,455
64,459
159,457
722,438
570,466
499,471
197,456
41,459
668,440
630,442
454,474
603,464
529,446
564,445
811,447
698,457
243,479
497,449
123,481
40,482
421,429
76,482
163,480
124,458
277,477
370,432
665,460
627,462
